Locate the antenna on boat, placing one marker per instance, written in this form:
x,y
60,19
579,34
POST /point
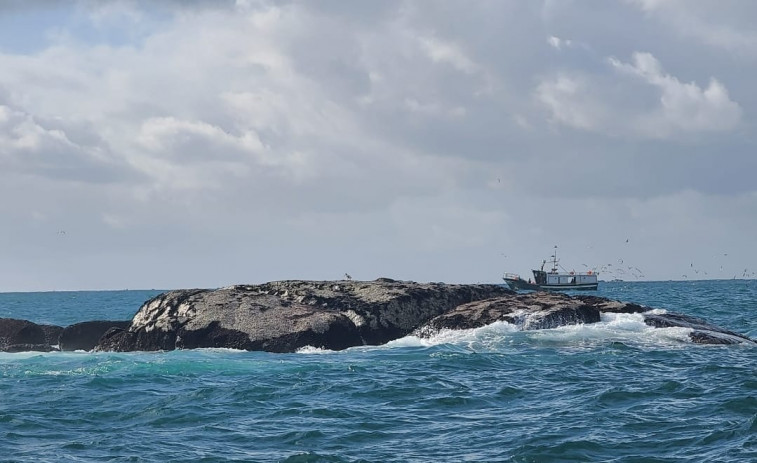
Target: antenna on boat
x,y
554,260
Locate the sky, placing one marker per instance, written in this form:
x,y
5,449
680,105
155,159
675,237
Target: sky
x,y
183,144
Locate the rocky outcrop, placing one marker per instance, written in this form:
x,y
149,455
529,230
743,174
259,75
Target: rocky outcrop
x,y
529,311
284,316
85,335
543,310
13,348
702,331
52,334
25,336
15,334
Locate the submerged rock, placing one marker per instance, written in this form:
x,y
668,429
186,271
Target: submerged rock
x,y
284,316
14,348
702,331
543,310
25,336
530,311
85,335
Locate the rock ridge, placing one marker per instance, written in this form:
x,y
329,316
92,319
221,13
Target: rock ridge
x,y
284,316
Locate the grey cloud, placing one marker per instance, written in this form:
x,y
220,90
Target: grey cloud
x,y
56,150
378,135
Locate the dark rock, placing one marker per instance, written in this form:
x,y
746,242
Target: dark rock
x,y
14,331
52,334
14,348
532,311
284,316
703,332
116,339
85,335
611,306
542,310
709,337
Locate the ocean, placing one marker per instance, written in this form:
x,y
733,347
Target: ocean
x,y
615,391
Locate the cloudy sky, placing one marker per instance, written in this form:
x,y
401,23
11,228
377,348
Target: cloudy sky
x,y
201,144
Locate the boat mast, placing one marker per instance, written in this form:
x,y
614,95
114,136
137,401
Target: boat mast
x,y
554,261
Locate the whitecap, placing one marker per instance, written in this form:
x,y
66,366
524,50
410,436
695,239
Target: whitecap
x,y
313,350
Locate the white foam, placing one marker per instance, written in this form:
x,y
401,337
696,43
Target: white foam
x,y
625,328
612,327
476,338
223,350
621,327
313,350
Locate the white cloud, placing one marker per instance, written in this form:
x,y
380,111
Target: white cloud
x,y
570,101
684,107
597,103
189,139
558,43
441,51
723,25
253,140
30,147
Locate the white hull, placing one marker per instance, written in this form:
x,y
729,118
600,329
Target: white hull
x,y
568,287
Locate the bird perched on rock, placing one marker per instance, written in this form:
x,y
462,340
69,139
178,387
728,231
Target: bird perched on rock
x,y
347,276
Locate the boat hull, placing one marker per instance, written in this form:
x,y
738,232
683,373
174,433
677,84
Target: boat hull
x,y
523,285
571,287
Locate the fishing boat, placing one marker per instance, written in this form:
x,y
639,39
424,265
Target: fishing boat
x,y
554,279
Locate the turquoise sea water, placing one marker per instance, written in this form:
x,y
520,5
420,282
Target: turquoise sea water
x,y
615,391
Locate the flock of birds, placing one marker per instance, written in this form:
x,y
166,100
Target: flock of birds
x,y
621,270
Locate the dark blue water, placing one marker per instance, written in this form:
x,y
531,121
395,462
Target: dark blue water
x,y
614,391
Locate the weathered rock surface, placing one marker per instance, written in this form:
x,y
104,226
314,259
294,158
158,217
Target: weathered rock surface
x,y
15,332
25,336
702,331
531,311
284,316
85,335
52,334
541,310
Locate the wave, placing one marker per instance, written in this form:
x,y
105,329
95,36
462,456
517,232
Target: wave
x,y
622,328
626,329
